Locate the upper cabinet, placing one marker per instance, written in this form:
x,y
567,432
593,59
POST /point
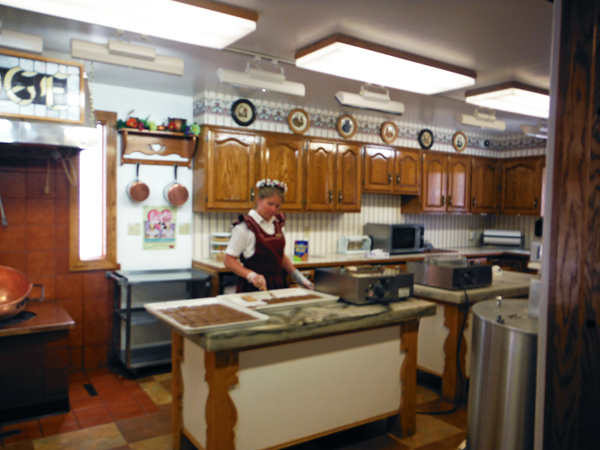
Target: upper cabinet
x,y
348,176
225,171
521,186
391,170
459,184
281,158
320,170
485,192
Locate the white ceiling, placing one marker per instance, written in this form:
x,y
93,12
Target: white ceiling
x,y
505,40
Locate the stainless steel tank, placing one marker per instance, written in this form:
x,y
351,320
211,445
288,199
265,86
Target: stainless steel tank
x,y
501,410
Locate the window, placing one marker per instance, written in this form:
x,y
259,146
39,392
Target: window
x,y
92,202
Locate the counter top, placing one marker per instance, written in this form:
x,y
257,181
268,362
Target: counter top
x,y
314,321
338,259
507,284
50,316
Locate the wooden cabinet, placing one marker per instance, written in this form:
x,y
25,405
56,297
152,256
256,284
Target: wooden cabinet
x,y
348,175
281,158
459,184
392,170
435,182
485,191
320,169
225,171
521,186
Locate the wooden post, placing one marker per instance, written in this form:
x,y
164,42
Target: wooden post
x,y
177,388
453,318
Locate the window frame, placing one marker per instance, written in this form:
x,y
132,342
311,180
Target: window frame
x,y
109,261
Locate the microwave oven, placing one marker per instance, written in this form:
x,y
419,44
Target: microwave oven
x,y
400,238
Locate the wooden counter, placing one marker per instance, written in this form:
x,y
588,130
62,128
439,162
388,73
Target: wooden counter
x,y
307,372
50,316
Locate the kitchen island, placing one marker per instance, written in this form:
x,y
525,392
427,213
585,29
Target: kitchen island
x,y
309,371
439,335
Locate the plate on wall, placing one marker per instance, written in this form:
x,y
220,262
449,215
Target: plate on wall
x,y
389,132
346,126
298,121
425,138
243,112
459,141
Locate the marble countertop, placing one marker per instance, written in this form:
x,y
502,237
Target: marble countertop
x,y
507,284
333,259
313,321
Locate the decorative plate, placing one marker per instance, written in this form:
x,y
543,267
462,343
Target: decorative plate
x,y
346,126
243,112
459,141
298,121
425,138
389,132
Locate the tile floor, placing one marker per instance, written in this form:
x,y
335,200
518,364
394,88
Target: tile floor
x,y
136,415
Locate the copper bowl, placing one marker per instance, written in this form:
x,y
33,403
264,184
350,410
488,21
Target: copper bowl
x,y
14,289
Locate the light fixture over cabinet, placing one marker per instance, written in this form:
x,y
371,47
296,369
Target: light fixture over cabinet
x,y
368,99
348,57
213,25
513,97
539,130
481,119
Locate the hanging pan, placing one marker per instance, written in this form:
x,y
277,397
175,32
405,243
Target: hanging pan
x,y
137,190
176,193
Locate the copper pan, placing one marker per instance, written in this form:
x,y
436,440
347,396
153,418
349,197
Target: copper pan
x,y
176,193
137,190
14,290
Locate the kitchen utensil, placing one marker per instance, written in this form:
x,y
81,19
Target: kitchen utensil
x,y
14,290
176,193
137,190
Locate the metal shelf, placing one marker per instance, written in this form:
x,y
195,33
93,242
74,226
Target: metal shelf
x,y
147,356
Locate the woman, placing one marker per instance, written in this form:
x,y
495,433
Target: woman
x,y
258,241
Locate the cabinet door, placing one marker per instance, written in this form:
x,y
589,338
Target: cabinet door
x,y
379,169
522,186
348,170
459,184
320,176
231,173
281,159
407,178
435,177
484,186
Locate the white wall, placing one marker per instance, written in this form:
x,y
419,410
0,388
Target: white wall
x,y
159,106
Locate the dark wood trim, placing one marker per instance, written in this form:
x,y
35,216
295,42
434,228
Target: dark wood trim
x,y
507,85
572,380
344,39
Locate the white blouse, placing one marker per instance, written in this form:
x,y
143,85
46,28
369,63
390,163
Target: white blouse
x,y
243,240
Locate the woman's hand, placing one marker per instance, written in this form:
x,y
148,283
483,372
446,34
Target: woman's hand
x,y
302,280
257,280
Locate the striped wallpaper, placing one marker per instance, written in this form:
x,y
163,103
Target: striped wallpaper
x,y
323,229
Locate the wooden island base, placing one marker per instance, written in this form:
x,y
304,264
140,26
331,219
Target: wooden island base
x,y
280,394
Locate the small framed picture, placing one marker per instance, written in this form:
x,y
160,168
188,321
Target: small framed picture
x,y
459,141
243,112
425,138
346,126
389,132
298,121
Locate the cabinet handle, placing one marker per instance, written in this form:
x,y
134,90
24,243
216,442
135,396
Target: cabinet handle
x,y
340,196
397,179
535,202
251,193
330,196
443,200
474,202
449,200
389,178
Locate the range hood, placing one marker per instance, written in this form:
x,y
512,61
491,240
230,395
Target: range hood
x,y
20,137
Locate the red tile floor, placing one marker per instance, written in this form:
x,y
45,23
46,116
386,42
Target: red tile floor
x,y
136,415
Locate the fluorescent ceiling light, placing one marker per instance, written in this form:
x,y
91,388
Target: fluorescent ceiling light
x,y
21,41
513,97
101,53
481,119
213,25
347,57
540,130
261,79
370,100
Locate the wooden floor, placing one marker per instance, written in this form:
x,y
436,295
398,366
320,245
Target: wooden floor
x,y
136,414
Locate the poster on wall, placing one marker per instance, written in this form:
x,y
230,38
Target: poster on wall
x,y
159,227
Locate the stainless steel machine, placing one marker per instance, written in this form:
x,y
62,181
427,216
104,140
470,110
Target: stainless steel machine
x,y
450,272
365,284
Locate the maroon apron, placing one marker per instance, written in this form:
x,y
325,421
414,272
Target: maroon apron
x,y
268,256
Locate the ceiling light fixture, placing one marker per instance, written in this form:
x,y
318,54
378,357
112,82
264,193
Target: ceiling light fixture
x,y
540,130
513,97
481,119
348,57
138,57
370,100
212,25
257,78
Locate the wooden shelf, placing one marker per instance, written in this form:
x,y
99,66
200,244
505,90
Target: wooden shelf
x,y
157,143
